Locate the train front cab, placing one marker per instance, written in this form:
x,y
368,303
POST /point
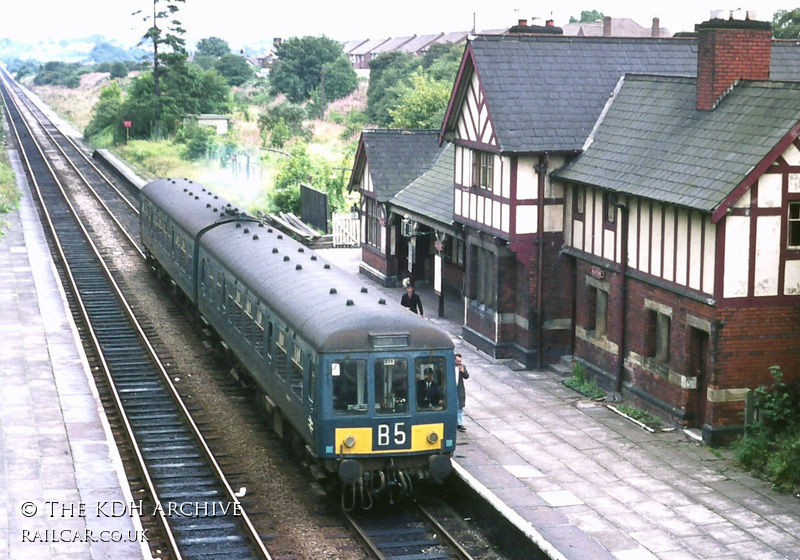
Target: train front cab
x,y
381,430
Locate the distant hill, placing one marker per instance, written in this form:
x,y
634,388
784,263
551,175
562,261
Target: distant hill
x,y
88,50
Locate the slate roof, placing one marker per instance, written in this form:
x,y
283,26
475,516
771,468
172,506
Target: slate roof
x,y
620,27
392,44
545,93
654,143
420,42
397,157
367,46
431,195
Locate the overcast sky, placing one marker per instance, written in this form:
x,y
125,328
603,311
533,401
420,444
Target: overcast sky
x,y
249,21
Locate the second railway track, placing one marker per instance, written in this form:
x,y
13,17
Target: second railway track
x,y
175,460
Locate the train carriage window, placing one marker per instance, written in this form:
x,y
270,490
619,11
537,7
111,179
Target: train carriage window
x,y
349,387
280,355
296,374
391,385
431,383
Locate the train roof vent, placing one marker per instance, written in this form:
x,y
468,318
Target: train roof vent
x,y
185,189
350,302
274,249
255,236
238,225
382,301
285,258
280,236
299,267
313,257
364,289
208,205
327,266
269,230
246,230
228,205
216,209
301,250
197,197
333,291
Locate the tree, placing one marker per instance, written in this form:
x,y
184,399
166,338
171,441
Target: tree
x,y
213,46
587,16
106,124
786,24
421,104
297,73
234,68
169,53
386,72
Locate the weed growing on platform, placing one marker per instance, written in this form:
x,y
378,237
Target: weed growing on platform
x,y
770,446
579,383
9,195
640,416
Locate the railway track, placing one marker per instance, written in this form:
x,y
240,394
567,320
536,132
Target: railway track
x,y
194,506
407,532
399,533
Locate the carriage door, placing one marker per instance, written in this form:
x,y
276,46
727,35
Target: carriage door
x,y
698,358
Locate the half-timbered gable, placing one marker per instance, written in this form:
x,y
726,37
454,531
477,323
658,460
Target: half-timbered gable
x,y
522,106
679,214
387,161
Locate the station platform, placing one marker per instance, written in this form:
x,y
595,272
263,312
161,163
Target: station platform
x,y
63,492
584,482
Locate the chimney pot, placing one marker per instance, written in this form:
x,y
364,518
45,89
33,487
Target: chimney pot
x,y
550,23
607,26
656,30
522,23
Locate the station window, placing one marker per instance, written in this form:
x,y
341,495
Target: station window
x,y
431,383
793,234
482,169
373,226
658,332
391,385
349,387
483,277
597,306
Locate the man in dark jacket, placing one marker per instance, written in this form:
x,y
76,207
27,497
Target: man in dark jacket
x,y
461,375
410,299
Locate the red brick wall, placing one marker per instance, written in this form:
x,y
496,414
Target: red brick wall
x,y
744,342
374,258
729,51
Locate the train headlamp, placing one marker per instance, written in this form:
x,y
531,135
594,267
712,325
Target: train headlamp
x,y
349,442
433,437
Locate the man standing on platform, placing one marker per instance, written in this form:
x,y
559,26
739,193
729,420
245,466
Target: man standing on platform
x,y
461,375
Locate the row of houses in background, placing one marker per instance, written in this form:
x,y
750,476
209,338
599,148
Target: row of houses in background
x,y
361,51
631,202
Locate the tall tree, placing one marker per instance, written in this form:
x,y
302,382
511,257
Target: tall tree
x,y
299,68
213,46
169,51
786,24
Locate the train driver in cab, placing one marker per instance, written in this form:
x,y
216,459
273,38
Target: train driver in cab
x,y
429,394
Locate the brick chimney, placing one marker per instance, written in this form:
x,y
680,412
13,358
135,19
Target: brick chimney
x,y
730,50
522,23
607,26
655,31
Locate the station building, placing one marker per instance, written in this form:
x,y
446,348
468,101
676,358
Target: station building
x,y
632,203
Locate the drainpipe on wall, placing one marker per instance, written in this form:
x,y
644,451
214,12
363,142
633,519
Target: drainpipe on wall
x,y
544,163
623,270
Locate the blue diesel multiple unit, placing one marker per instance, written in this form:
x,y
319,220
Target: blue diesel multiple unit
x,y
338,368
